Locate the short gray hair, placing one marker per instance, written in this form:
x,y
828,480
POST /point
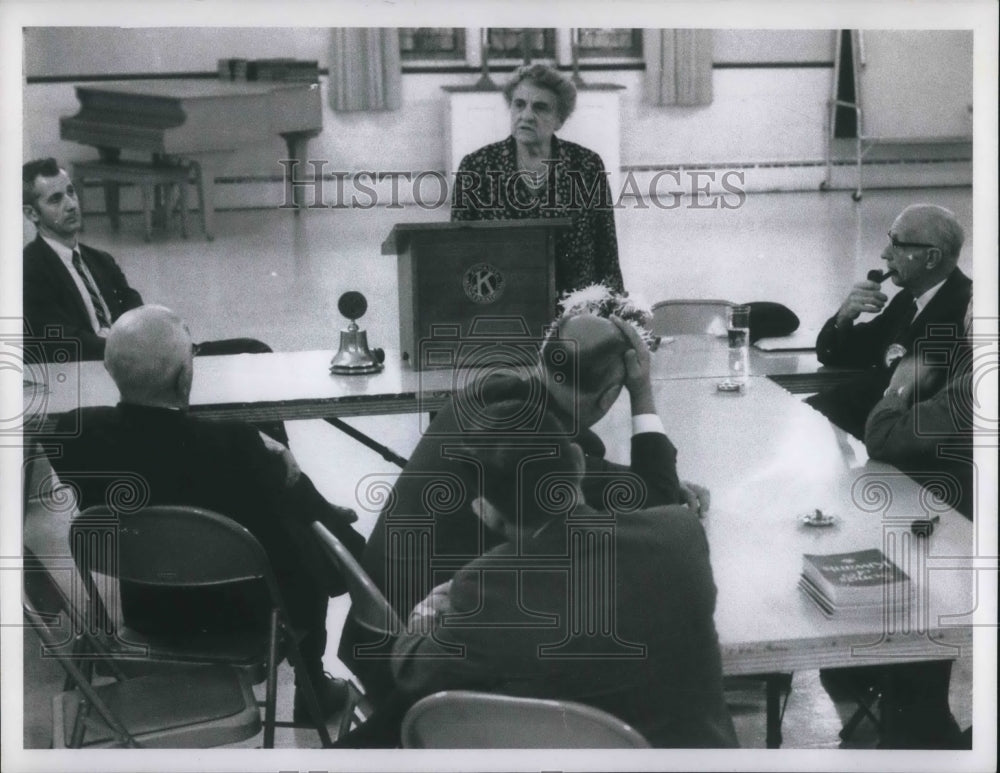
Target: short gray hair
x,y
545,77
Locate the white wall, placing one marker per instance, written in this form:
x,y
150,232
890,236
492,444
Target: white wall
x,y
759,115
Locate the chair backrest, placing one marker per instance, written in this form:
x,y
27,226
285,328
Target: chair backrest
x,y
462,719
681,317
369,607
170,545
165,545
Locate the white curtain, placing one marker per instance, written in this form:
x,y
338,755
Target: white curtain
x,y
678,67
365,71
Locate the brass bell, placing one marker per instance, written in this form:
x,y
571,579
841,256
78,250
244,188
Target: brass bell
x,y
354,356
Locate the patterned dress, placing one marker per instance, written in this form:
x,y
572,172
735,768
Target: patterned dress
x,y
489,187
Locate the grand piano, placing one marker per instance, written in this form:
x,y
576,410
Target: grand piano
x,y
195,120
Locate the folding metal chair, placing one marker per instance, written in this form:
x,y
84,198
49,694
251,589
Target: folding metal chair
x,y
369,608
189,547
190,707
689,317
463,719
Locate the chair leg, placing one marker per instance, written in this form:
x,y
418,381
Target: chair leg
x,y
111,204
347,718
80,724
305,683
272,682
200,184
776,685
183,200
863,712
148,199
773,734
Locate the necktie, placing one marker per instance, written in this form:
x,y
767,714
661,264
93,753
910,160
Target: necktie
x,y
95,296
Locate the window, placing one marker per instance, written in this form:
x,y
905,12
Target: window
x,y
507,42
609,43
432,43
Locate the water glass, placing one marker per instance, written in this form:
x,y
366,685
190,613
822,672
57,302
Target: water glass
x,y
738,331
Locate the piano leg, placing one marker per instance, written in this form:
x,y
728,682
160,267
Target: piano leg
x,y
205,177
298,144
111,200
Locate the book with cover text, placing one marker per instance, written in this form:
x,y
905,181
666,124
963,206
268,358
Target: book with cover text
x,y
863,578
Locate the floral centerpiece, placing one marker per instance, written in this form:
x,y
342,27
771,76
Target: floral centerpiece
x,y
601,300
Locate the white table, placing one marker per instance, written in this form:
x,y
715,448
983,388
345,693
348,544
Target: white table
x,y
768,458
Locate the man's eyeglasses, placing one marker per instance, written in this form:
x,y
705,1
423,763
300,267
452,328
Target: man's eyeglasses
x,y
898,245
195,349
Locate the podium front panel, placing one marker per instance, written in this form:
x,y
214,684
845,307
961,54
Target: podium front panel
x,y
467,283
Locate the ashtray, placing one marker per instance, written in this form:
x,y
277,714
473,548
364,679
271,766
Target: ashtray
x,y
728,386
818,518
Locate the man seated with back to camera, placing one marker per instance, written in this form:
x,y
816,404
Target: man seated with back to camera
x,y
172,458
583,367
922,257
509,622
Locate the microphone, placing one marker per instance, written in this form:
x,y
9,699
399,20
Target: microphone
x,y
875,275
354,357
353,305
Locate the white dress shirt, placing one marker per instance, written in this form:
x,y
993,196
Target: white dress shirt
x,y
647,422
924,299
66,256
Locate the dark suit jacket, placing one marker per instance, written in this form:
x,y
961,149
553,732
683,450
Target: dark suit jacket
x,y
664,602
51,297
431,500
865,345
169,457
930,440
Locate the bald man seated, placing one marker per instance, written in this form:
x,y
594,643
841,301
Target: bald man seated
x,y
921,258
227,467
583,368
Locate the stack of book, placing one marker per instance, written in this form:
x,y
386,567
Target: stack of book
x,y
276,69
861,583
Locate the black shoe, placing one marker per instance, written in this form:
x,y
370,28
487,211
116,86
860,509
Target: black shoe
x,y
333,695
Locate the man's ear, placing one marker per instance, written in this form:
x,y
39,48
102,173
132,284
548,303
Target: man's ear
x,y
185,377
934,258
579,461
608,398
30,212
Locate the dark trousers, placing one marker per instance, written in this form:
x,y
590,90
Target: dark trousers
x,y
914,711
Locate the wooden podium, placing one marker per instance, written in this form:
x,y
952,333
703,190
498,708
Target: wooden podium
x,y
477,284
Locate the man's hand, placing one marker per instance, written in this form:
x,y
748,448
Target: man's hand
x,y
864,296
912,379
637,366
292,471
696,497
431,609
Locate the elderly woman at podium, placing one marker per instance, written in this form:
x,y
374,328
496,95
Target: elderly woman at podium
x,y
534,174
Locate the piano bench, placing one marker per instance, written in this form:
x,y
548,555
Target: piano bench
x,y
146,176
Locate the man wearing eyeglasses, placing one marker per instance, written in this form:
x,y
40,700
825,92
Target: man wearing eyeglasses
x,y
921,258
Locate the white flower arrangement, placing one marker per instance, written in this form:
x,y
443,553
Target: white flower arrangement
x,y
601,300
